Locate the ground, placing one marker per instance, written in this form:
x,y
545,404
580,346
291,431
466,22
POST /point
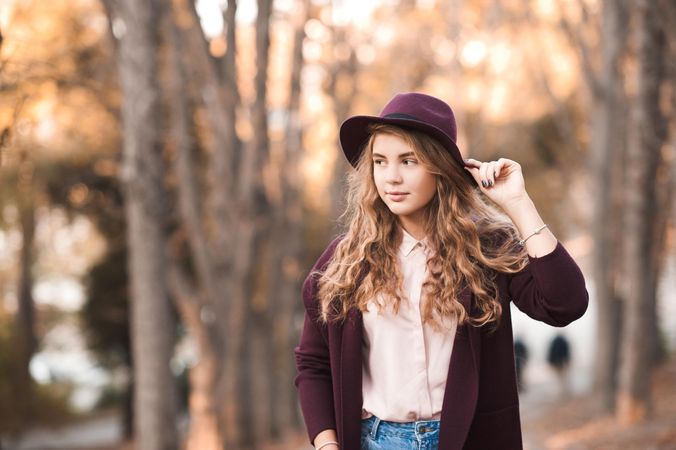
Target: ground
x,y
550,422
579,424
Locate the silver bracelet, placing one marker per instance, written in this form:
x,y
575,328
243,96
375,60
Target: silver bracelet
x,y
325,444
522,242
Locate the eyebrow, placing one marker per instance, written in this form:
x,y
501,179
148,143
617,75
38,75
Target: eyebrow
x,y
403,155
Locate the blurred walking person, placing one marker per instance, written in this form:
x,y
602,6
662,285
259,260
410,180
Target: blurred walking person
x,y
558,358
520,359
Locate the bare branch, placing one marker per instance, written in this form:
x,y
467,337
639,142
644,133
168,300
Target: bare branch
x,y
588,19
187,186
585,55
229,67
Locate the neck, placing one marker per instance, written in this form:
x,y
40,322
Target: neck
x,y
412,227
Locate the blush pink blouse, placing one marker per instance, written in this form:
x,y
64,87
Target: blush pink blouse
x,y
405,363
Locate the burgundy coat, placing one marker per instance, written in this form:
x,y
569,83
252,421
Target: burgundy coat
x,y
481,406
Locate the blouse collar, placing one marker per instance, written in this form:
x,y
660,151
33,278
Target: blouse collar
x,y
408,242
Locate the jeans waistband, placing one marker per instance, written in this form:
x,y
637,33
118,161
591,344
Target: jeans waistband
x,y
418,428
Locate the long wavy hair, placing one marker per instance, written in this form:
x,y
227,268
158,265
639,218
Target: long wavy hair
x,y
469,238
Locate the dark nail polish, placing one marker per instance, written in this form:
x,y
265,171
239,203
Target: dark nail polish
x,y
490,183
483,183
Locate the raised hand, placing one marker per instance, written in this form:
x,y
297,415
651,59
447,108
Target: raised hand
x,y
501,180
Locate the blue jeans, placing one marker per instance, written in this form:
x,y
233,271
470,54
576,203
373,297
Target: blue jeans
x,y
379,434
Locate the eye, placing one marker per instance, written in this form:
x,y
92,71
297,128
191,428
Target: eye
x,y
376,162
410,161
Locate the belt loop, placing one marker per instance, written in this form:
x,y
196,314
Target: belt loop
x,y
374,427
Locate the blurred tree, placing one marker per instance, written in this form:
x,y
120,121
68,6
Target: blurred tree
x,y
274,302
200,296
89,187
146,210
205,431
284,246
40,84
252,228
607,151
341,87
106,318
637,237
647,171
9,421
24,336
224,234
666,184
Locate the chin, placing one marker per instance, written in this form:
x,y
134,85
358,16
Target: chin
x,y
399,211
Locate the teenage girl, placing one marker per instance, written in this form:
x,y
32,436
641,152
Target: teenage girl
x,y
407,341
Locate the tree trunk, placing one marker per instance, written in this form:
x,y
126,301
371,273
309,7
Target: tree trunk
x,y
284,413
25,341
252,209
633,398
342,89
143,174
257,371
204,432
223,257
283,248
607,155
128,412
667,188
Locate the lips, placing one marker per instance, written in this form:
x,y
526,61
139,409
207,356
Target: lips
x,y
397,196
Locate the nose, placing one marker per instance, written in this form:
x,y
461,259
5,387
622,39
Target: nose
x,y
393,175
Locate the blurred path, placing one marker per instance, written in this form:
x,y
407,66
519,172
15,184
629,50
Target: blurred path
x,y
102,430
577,423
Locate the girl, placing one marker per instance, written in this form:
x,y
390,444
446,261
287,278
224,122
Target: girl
x,y
407,341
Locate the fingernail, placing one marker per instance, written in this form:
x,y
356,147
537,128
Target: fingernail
x,y
490,182
483,183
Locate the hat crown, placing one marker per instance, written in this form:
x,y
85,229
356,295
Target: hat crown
x,y
410,110
424,108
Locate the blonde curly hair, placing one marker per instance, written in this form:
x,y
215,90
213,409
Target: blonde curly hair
x,y
470,240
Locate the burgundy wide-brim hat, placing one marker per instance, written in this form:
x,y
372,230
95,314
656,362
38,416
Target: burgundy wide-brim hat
x,y
409,110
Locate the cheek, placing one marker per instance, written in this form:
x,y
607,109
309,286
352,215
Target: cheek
x,y
431,192
378,181
426,184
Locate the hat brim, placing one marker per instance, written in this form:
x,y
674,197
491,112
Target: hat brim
x,y
354,135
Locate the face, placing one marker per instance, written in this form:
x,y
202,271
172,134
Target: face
x,y
403,183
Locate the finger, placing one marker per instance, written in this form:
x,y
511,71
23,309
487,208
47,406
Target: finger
x,y
499,166
489,173
475,174
469,162
493,172
507,166
483,171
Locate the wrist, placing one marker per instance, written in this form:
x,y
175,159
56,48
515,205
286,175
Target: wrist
x,y
516,205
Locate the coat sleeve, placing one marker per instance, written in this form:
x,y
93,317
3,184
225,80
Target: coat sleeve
x,y
550,288
313,379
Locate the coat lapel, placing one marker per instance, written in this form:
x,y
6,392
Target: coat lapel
x,y
462,383
351,380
